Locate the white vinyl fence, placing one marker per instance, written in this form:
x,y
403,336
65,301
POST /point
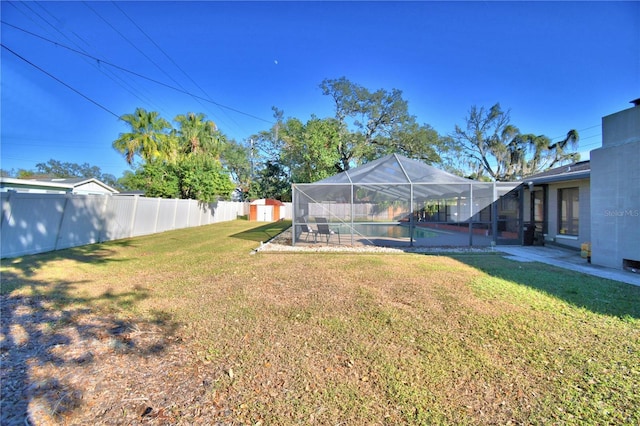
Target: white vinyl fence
x,y
37,223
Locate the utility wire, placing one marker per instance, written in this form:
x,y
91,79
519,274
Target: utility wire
x,y
126,39
581,130
60,143
59,24
141,51
30,17
170,59
110,74
62,82
102,61
131,43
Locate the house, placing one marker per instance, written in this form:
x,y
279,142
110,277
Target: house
x,y
615,192
56,186
596,201
556,206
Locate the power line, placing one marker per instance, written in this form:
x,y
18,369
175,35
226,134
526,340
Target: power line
x,y
132,44
59,23
30,17
592,136
116,79
102,61
581,130
41,142
63,83
143,53
138,92
170,59
23,159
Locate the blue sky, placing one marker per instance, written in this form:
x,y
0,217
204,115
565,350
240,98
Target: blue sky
x,y
556,65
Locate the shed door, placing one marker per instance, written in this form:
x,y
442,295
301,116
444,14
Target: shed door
x,y
265,214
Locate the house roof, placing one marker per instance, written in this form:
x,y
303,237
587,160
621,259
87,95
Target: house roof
x,y
12,182
76,182
579,170
65,184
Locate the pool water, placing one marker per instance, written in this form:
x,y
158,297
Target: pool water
x,y
386,230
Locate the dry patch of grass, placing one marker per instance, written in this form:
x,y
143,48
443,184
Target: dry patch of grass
x,y
340,338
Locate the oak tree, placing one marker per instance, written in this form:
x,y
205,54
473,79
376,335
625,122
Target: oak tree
x,y
491,146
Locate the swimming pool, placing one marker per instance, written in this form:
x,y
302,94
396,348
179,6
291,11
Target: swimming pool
x,y
385,230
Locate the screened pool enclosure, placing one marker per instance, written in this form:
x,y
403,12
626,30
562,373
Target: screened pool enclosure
x,y
396,201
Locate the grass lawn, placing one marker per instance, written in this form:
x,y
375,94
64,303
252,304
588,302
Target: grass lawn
x,y
337,338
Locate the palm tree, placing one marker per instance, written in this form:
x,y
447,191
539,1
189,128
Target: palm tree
x,y
560,154
148,137
197,135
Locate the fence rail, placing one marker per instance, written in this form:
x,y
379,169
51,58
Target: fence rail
x,y
37,223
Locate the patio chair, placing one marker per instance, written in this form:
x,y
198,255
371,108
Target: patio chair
x,y
323,229
305,228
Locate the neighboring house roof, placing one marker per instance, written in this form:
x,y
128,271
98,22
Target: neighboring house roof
x,y
83,185
58,185
579,170
70,181
24,185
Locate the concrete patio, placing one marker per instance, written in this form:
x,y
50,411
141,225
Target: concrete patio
x,y
567,259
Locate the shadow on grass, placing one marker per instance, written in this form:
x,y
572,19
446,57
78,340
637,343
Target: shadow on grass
x,y
50,329
595,294
99,253
263,233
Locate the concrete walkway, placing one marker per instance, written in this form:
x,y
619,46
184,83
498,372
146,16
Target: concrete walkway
x,y
567,259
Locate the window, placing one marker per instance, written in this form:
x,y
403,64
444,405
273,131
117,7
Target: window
x,y
538,206
568,211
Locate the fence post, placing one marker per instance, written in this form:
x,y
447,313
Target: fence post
x,y
133,216
470,215
4,215
64,211
175,213
103,219
155,224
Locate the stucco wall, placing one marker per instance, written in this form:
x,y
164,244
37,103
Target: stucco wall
x,y
621,128
615,191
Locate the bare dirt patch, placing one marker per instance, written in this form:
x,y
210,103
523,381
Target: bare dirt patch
x,y
78,367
